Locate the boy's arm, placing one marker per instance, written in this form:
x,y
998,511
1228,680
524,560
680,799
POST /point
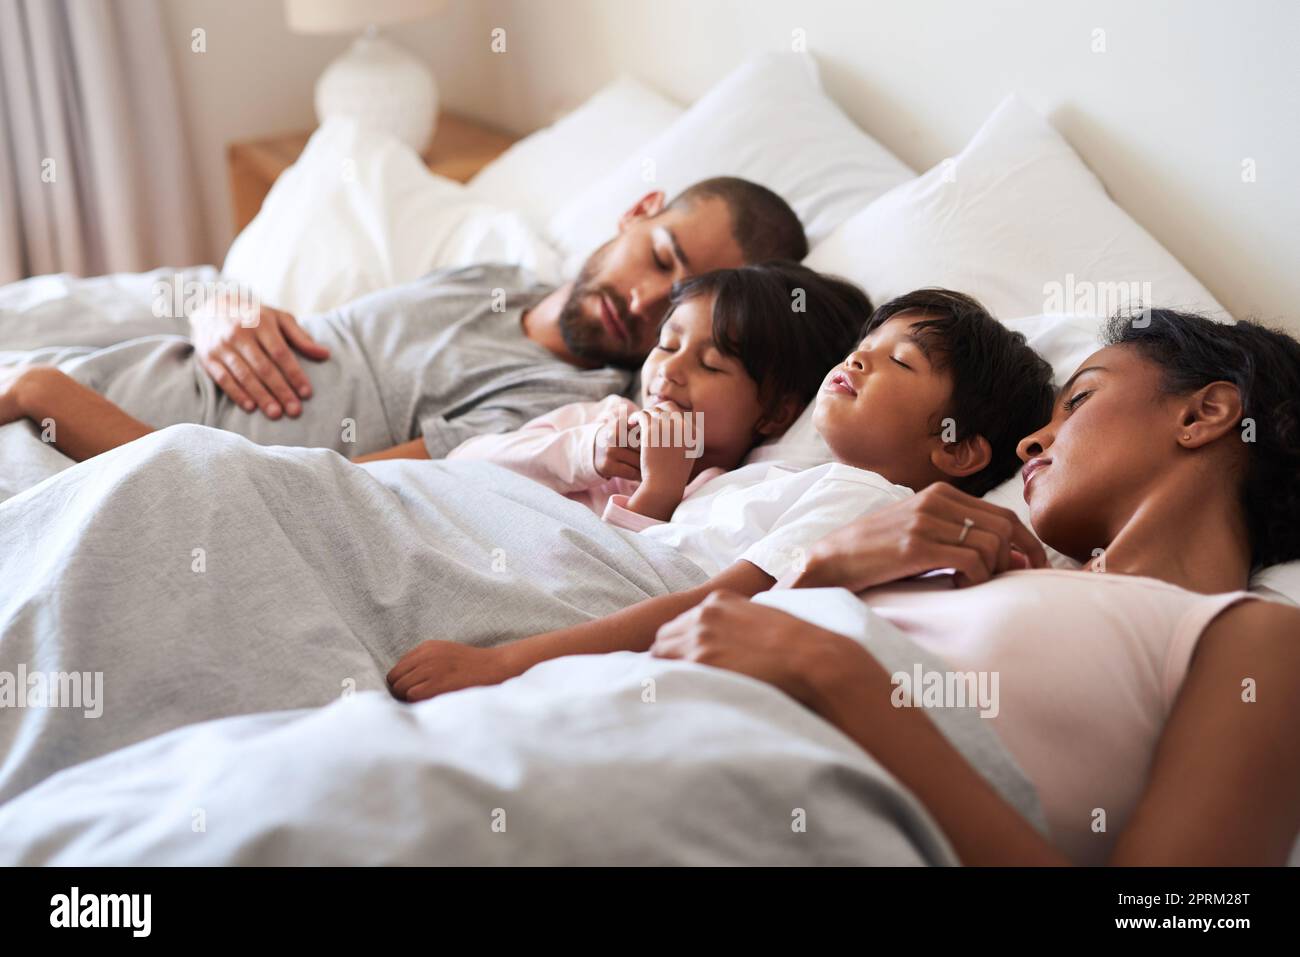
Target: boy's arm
x,y
436,667
84,422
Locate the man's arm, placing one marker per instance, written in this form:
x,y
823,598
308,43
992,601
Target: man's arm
x,y
436,667
413,449
84,422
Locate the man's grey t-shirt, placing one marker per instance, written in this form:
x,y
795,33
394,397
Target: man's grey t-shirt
x,y
444,357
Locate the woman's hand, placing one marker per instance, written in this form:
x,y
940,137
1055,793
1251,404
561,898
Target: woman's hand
x,y
841,682
437,667
920,534
731,632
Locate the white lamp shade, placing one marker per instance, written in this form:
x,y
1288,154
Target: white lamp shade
x,y
351,16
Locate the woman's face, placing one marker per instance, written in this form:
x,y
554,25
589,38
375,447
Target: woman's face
x,y
1112,436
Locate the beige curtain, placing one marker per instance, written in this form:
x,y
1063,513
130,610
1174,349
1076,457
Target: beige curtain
x,y
94,173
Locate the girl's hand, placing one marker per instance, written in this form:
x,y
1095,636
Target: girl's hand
x,y
437,667
665,466
920,534
613,460
731,632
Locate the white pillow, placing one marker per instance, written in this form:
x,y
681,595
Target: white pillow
x,y
769,122
542,172
359,211
1016,220
1279,583
801,445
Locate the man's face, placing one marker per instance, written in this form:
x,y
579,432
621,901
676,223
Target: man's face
x,y
613,313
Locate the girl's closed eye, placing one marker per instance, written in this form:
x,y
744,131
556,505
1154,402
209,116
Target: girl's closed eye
x,y
712,363
901,363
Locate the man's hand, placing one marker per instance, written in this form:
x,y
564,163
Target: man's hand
x,y
250,359
436,667
920,534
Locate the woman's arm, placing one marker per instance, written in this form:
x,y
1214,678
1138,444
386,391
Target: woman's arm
x,y
1224,788
839,680
82,423
436,667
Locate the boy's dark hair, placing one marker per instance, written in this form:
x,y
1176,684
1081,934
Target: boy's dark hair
x,y
1001,388
762,223
1264,364
787,324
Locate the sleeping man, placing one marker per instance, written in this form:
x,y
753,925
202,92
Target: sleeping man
x,y
415,370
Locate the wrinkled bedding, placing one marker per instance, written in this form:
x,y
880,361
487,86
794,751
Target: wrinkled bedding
x,y
240,605
608,759
47,312
204,576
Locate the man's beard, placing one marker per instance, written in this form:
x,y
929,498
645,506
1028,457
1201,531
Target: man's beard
x,y
587,338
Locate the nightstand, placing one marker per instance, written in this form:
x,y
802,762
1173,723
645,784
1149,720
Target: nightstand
x,y
461,147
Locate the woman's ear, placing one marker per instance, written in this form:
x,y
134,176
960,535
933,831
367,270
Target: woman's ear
x,y
959,459
1209,413
651,204
770,426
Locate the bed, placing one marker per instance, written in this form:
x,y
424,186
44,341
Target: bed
x,y
614,760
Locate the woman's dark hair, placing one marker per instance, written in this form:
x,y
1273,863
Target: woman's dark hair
x,y
1001,388
1264,364
787,324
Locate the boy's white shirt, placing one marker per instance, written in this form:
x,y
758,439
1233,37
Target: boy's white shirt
x,y
771,514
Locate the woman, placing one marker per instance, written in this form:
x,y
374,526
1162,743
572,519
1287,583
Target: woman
x,y
1172,465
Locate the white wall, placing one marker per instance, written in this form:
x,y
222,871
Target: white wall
x,y
257,79
1184,92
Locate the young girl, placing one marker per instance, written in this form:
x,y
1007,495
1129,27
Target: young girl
x,y
740,353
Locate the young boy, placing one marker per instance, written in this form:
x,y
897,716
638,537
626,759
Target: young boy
x,y
936,391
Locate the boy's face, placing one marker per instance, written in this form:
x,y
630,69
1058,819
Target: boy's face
x,y
882,408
